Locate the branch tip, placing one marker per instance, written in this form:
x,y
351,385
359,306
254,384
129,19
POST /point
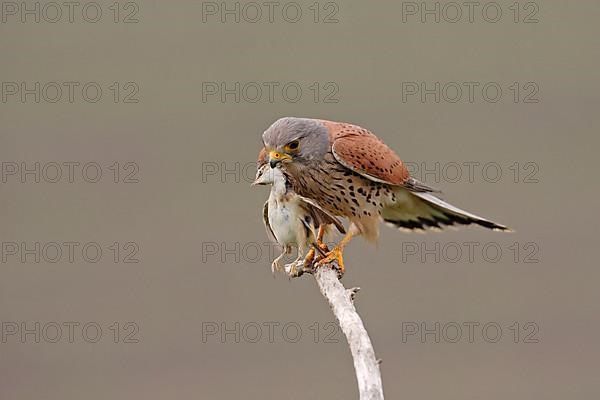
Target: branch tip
x,y
352,292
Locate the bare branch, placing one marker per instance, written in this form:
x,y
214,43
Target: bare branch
x,y
341,301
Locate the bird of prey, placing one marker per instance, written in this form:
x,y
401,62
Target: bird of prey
x,y
347,171
291,221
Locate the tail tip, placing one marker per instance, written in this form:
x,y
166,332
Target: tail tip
x,y
502,228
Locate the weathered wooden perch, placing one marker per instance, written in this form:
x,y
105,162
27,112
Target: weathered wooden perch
x,y
341,301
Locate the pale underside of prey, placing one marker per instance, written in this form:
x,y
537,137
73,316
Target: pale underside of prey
x,y
291,221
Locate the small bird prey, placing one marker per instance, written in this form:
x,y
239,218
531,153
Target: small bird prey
x,y
347,171
291,221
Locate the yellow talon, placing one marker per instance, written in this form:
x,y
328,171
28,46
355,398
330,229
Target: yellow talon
x,y
322,246
336,254
310,256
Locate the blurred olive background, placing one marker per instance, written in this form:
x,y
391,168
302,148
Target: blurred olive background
x,y
193,202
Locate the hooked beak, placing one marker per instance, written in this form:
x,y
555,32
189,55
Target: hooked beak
x,y
276,157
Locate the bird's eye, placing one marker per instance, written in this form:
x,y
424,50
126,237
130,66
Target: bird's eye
x,y
292,145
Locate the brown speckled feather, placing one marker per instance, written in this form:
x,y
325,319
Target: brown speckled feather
x,y
322,217
361,151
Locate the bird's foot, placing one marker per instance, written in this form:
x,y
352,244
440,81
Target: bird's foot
x,y
308,260
295,269
323,249
312,256
336,254
276,266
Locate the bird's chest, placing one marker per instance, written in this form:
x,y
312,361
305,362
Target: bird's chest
x,y
285,220
341,191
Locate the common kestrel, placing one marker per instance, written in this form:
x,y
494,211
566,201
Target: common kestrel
x,y
347,171
291,221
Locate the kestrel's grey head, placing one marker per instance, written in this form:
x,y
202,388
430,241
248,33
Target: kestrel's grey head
x,y
298,140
